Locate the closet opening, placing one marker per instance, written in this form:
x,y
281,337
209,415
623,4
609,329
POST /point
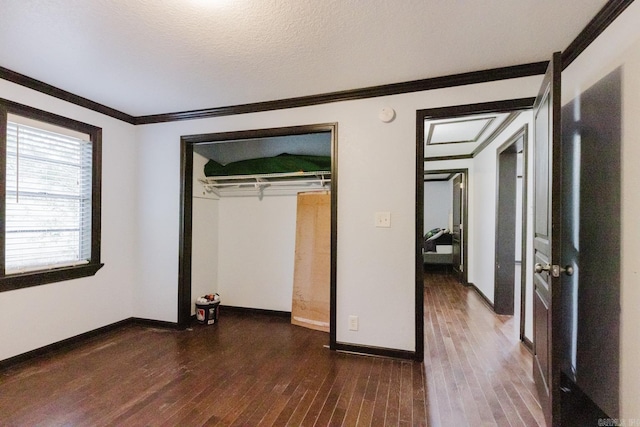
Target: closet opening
x,y
258,223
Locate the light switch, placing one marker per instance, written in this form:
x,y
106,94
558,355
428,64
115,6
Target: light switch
x,y
383,219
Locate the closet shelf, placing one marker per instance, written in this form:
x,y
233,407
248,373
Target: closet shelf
x,y
238,185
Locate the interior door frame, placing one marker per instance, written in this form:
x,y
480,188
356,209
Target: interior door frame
x,y
512,141
187,143
508,105
465,213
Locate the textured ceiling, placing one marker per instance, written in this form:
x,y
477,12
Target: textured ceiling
x,y
158,56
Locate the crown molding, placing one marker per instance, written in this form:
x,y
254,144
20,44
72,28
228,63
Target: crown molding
x,y
47,89
484,76
593,29
474,77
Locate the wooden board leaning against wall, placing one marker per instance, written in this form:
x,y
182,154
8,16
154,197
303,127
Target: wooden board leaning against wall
x,y
311,276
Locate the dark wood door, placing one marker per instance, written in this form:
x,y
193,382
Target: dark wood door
x,y
456,232
591,241
547,243
505,267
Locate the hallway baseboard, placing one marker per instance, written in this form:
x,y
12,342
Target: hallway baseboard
x,y
482,295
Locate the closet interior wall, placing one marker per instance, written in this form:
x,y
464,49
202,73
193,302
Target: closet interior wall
x,y
243,247
205,243
244,244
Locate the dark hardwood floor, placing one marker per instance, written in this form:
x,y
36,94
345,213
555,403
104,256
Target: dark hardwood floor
x,y
259,370
477,371
247,370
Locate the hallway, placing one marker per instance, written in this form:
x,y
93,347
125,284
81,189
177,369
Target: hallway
x,y
477,371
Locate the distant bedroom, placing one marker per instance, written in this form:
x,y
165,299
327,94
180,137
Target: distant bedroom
x,y
442,245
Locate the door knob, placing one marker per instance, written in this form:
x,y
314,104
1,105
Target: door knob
x,y
568,270
555,269
539,268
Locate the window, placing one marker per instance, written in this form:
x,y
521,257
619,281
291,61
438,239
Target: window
x,y
50,197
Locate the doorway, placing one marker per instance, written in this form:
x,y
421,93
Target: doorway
x,y
438,140
511,227
445,222
459,225
186,208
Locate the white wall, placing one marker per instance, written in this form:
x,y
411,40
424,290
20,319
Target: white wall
x,y
204,248
199,190
619,46
257,251
37,316
483,218
204,245
376,163
243,246
438,204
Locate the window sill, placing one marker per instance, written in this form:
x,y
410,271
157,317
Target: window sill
x,y
34,278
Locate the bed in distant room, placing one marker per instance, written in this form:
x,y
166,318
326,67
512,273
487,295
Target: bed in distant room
x,y
438,249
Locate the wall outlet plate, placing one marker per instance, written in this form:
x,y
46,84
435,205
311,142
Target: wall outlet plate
x,y
383,219
353,323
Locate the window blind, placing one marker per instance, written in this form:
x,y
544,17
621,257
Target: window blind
x,y
48,199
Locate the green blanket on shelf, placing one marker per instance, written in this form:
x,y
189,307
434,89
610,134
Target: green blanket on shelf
x,y
284,163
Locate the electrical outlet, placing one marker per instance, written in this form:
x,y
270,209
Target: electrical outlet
x,y
383,219
353,323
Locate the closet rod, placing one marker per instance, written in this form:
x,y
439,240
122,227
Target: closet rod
x,y
259,183
215,179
